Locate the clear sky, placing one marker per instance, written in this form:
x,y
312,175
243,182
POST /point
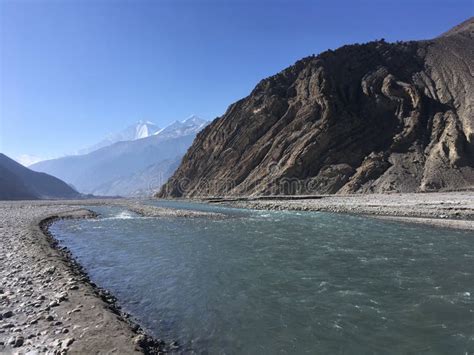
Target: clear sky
x,y
72,71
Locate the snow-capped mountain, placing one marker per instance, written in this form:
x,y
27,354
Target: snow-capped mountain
x,y
143,130
128,165
139,130
183,128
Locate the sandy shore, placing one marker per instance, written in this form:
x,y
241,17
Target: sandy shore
x,y
449,210
47,303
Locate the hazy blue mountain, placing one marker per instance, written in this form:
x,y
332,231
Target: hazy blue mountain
x,y
191,125
145,182
139,130
20,183
121,168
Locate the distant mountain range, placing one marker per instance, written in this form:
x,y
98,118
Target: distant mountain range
x,y
141,129
365,118
133,162
20,183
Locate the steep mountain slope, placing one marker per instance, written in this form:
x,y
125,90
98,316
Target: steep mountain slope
x,y
105,170
20,183
377,117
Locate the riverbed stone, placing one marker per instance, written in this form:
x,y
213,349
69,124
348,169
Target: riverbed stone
x,y
7,314
16,341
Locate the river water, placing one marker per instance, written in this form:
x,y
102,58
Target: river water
x,y
262,282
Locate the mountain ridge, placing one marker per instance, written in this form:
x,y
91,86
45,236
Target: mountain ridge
x,y
138,130
374,117
99,171
20,183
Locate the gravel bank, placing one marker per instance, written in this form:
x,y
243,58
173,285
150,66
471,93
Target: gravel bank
x,y
47,303
450,209
153,211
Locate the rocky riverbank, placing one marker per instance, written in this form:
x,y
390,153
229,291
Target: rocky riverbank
x,y
153,211
47,302
449,209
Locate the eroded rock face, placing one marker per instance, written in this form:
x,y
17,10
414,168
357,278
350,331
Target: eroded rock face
x,y
377,117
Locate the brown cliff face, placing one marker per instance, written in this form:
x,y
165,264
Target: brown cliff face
x,y
377,117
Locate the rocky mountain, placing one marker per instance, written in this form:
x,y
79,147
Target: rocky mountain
x,y
374,117
139,130
127,167
20,183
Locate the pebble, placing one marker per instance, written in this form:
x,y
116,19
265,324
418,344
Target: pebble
x,y
61,297
139,340
16,341
7,314
50,270
75,310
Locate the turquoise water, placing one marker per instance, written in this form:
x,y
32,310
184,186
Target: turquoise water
x,y
263,282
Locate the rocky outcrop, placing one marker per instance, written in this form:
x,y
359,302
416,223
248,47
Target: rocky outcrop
x,y
376,117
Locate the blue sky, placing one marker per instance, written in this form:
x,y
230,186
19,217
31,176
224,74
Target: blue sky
x,y
73,71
